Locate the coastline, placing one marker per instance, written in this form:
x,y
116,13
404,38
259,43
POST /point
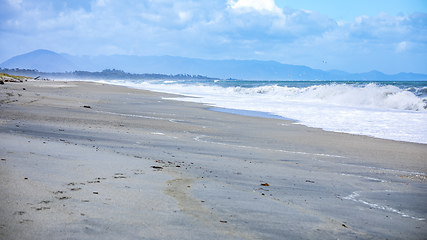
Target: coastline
x,y
249,113
375,109
111,161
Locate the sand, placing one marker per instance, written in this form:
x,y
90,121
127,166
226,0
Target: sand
x,y
83,160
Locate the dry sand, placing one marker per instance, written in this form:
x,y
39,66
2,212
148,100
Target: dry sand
x,y
84,160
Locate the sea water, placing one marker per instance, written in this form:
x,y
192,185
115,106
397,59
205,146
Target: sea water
x,y
382,109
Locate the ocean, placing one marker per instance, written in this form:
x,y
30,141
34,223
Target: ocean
x,y
381,109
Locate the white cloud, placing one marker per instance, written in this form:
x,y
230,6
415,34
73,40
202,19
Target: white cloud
x,y
240,29
185,16
15,3
151,17
304,23
101,3
401,46
382,27
262,6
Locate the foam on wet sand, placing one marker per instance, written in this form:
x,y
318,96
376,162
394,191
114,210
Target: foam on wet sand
x,y
86,160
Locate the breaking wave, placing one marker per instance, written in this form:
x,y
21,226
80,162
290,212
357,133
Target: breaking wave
x,y
378,109
369,95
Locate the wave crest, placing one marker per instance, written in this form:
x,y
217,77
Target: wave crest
x,y
370,95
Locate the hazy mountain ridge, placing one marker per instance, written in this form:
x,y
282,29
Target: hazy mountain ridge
x,y
48,61
42,60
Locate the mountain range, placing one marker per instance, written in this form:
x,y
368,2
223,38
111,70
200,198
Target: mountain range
x,y
49,61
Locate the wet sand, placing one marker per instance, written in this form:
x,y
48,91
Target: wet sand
x,y
84,160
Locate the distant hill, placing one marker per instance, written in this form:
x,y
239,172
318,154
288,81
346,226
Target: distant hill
x,y
42,60
48,61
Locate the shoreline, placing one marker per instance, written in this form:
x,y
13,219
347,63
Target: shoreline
x,y
110,161
250,113
360,125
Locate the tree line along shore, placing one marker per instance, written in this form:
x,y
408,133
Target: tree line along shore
x,y
104,74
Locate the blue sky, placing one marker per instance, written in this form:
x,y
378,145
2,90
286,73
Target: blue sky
x,y
354,36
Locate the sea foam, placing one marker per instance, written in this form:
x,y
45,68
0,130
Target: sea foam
x,y
378,110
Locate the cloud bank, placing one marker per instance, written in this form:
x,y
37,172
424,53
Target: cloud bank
x,y
215,29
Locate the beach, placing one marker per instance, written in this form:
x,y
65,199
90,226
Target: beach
x,y
84,160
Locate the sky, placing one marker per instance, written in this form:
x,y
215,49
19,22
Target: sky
x,y
352,35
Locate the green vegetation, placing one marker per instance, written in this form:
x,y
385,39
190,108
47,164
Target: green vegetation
x,y
14,77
